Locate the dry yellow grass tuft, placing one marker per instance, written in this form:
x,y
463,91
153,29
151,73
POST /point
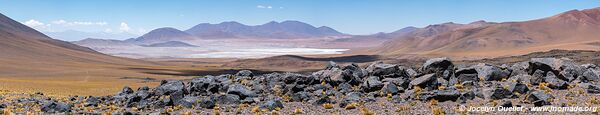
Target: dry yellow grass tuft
x,y
366,111
351,106
328,106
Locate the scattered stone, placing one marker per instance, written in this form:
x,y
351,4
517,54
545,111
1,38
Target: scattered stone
x,y
272,105
540,98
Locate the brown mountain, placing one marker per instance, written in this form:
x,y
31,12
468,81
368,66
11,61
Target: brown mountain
x,y
570,30
276,30
162,35
25,51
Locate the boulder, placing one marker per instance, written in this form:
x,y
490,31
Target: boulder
x,y
272,105
518,88
390,88
439,66
446,95
540,98
554,82
244,73
55,107
424,81
590,75
594,89
331,65
372,84
168,87
384,70
300,96
207,103
537,77
91,101
227,99
467,74
241,91
492,73
497,93
188,101
543,64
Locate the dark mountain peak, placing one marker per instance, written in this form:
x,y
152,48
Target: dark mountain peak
x,y
165,29
479,22
231,23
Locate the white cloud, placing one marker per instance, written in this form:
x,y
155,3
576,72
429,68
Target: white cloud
x,y
263,7
37,25
124,27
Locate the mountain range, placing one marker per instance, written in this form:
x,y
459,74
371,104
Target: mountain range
x,y
574,29
235,30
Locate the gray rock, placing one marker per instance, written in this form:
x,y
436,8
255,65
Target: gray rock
x,y
518,88
438,66
372,84
228,99
590,76
91,101
300,96
331,65
423,81
492,73
55,107
168,87
554,82
390,88
241,91
595,89
467,74
540,98
384,70
207,103
188,101
446,95
244,73
272,105
542,64
537,77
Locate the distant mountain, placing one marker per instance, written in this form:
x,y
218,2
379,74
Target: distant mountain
x,y
283,30
567,30
95,42
161,35
171,44
73,35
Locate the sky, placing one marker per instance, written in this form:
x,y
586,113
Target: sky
x,y
357,17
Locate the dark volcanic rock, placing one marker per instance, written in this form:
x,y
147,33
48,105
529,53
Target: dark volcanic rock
x,y
372,84
446,95
241,91
492,73
55,107
424,81
467,74
590,76
540,98
272,105
593,89
228,99
244,73
439,66
554,82
207,103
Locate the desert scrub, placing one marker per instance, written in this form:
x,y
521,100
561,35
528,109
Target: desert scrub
x,y
328,106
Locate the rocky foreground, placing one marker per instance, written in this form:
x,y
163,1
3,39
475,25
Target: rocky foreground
x,y
438,87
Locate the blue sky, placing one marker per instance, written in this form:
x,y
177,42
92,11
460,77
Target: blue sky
x,y
348,16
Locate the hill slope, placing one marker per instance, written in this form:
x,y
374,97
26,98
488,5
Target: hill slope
x,y
25,50
570,30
